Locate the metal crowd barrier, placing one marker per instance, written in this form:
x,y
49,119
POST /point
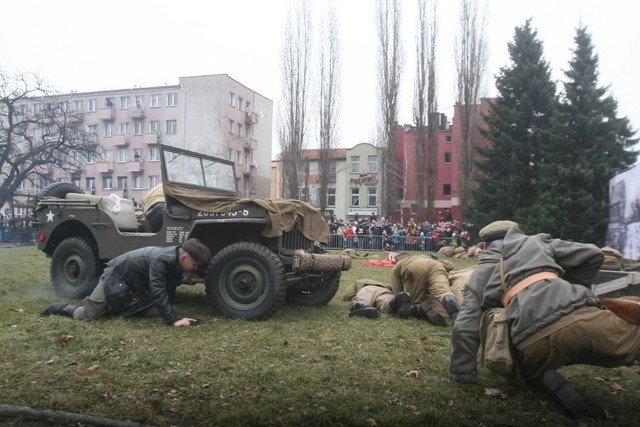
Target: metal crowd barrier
x,y
393,243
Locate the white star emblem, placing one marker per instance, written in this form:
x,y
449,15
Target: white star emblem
x,y
50,216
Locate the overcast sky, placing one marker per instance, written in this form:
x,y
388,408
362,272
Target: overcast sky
x,y
84,46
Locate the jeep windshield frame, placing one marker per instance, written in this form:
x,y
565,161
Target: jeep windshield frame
x,y
196,170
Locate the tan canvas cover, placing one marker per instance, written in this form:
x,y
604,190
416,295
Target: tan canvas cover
x,y
283,214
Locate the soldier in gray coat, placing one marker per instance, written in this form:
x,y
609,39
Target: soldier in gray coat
x,y
555,321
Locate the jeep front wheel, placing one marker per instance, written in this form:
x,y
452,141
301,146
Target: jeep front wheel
x,y
74,268
246,280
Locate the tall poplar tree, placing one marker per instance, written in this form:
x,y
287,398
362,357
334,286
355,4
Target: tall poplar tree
x,y
519,128
595,145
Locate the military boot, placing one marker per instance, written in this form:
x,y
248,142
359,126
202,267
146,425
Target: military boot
x,y
575,403
424,311
451,305
362,309
401,305
63,308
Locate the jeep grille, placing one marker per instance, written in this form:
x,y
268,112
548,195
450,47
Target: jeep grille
x,y
292,240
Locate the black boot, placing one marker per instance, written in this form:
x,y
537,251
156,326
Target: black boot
x,y
575,403
401,305
424,311
63,308
362,309
451,305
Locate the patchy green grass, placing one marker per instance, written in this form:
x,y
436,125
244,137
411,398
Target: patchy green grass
x,y
304,366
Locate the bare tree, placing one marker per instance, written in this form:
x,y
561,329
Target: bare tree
x,y
296,69
471,61
38,133
389,71
328,99
434,117
424,104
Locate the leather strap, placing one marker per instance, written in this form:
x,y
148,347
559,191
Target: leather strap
x,y
525,283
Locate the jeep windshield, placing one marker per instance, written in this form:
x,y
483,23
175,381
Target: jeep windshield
x,y
198,170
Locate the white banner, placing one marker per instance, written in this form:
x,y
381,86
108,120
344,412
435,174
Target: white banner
x,y
624,213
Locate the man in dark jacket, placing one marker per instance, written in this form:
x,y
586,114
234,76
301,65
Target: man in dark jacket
x,y
555,319
139,281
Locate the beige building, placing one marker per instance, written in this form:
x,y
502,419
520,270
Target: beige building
x,y
212,114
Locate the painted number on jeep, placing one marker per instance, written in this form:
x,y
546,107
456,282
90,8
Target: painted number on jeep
x,y
240,213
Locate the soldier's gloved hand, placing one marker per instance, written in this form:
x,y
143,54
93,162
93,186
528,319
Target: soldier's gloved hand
x,y
463,378
451,305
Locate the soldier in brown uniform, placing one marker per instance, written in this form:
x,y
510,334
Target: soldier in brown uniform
x,y
423,277
554,321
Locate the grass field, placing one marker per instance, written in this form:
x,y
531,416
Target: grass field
x,y
303,367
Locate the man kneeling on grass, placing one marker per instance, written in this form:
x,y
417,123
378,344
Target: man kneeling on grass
x,y
142,281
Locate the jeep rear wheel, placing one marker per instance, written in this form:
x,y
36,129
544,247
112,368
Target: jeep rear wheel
x,y
317,292
74,268
246,280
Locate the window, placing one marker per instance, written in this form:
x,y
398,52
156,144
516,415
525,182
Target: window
x,y
154,154
172,99
239,129
124,128
332,167
64,106
447,158
372,199
355,164
140,101
155,101
108,129
37,108
373,164
137,154
231,126
122,182
247,106
137,182
90,183
77,157
172,126
92,104
107,183
331,196
91,129
447,138
107,155
108,102
137,127
153,180
124,102
122,155
239,156
77,105
154,126
91,157
230,153
446,190
232,98
355,197
239,105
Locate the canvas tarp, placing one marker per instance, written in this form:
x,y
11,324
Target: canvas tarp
x,y
283,215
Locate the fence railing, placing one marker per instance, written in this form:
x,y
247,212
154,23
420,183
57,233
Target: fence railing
x,y
392,243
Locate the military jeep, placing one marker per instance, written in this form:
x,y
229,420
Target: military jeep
x,y
264,251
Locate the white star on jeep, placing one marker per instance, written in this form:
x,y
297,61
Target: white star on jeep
x,y
50,216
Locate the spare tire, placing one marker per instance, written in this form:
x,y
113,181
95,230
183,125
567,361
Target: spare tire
x,y
56,189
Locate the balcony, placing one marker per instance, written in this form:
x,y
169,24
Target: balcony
x,y
104,167
107,113
250,144
151,138
135,166
122,140
135,113
251,118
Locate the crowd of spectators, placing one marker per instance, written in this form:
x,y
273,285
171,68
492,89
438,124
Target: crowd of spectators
x,y
384,234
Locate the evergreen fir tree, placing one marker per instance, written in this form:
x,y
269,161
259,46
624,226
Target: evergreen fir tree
x,y
594,145
519,128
